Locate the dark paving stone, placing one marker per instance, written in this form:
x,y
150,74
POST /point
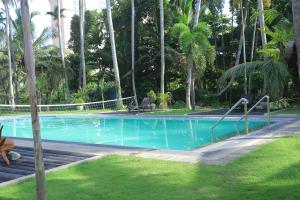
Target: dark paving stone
x,y
25,165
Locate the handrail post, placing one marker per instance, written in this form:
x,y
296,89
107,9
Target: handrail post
x,y
246,117
268,110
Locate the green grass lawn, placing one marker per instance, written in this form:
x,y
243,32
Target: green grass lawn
x,y
271,172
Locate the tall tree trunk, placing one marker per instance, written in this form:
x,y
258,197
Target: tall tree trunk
x,y
11,88
253,40
296,19
162,46
133,51
244,48
189,82
260,6
61,47
30,66
14,65
195,23
82,56
114,55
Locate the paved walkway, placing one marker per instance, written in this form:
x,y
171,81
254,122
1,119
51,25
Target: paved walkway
x,y
218,154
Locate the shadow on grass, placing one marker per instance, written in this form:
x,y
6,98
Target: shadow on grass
x,y
271,172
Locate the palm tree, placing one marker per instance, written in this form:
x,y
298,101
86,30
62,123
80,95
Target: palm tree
x,y
296,19
61,47
82,56
7,30
197,49
274,69
162,46
114,55
133,50
30,65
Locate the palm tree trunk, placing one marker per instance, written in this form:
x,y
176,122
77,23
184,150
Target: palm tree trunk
x,y
114,55
189,82
244,47
162,46
133,51
61,47
260,6
196,21
82,56
253,40
197,12
30,65
296,19
11,88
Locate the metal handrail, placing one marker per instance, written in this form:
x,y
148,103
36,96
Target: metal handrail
x,y
255,105
242,100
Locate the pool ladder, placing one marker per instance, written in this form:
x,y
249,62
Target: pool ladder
x,y
253,107
245,116
241,101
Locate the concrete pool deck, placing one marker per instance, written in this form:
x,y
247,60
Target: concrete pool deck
x,y
219,153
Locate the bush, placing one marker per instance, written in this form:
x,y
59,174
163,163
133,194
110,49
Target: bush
x,y
163,100
151,94
280,104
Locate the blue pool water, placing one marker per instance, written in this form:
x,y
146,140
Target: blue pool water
x,y
158,133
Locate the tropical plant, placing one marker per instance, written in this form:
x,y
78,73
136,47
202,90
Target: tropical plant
x,y
275,71
197,49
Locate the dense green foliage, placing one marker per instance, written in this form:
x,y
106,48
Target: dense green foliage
x,y
212,45
271,172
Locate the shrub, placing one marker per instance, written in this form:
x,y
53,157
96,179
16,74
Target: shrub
x,y
281,103
163,100
151,94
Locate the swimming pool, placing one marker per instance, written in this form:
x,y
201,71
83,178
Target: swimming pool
x,y
148,132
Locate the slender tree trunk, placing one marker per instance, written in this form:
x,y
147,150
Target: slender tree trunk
x,y
61,47
296,19
30,66
82,56
197,12
244,47
133,51
196,21
189,82
114,55
260,6
11,88
14,65
162,46
193,94
253,40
